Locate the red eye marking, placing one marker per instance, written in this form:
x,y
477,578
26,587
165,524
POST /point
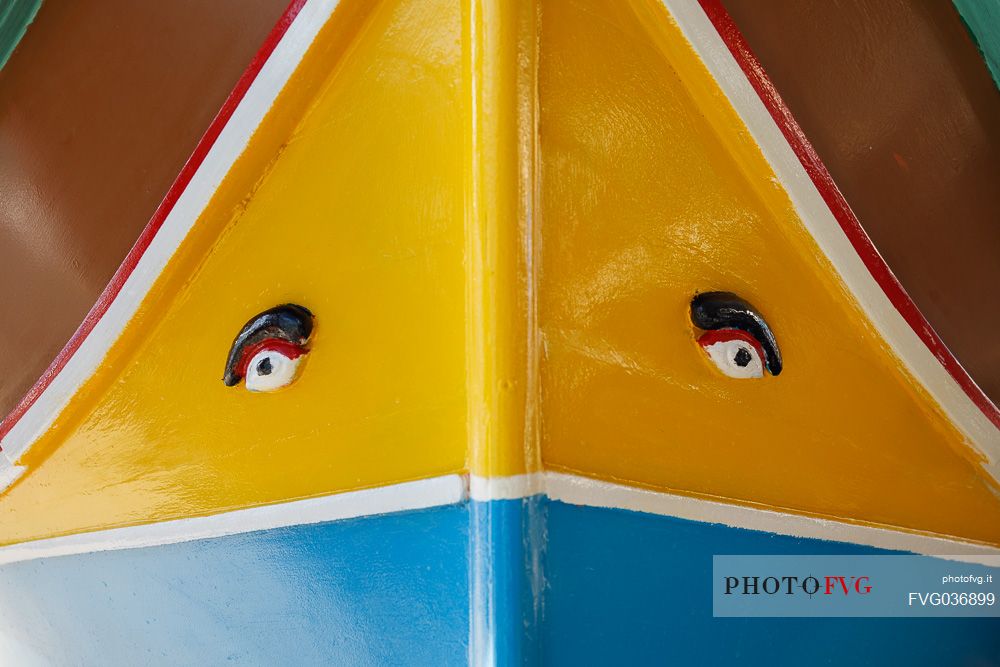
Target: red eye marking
x,y
725,335
284,347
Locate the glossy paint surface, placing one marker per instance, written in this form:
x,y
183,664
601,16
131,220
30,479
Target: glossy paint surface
x,y
651,192
507,543
393,231
381,590
898,103
391,190
100,106
608,587
366,189
632,588
500,60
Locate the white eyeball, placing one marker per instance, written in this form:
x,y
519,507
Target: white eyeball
x,y
734,352
269,370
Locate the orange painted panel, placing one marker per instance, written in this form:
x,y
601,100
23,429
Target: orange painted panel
x,y
652,191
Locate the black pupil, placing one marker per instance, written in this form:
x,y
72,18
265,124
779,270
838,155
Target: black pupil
x,y
742,357
264,366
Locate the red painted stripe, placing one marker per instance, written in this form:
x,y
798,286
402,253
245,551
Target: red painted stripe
x,y
821,178
725,335
279,345
146,237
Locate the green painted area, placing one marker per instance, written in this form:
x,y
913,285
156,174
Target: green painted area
x,y
15,17
982,18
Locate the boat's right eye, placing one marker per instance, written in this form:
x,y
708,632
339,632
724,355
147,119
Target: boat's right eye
x,y
736,353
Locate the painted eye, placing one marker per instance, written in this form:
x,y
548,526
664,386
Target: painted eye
x,y
737,338
268,351
735,353
274,366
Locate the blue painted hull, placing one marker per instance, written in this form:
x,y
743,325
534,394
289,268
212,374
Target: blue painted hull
x,y
383,590
637,586
615,587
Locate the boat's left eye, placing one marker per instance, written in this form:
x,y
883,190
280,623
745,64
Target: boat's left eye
x,y
268,350
736,353
272,368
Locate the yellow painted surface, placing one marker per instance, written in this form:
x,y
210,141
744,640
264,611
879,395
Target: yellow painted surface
x,y
499,212
500,67
652,190
360,218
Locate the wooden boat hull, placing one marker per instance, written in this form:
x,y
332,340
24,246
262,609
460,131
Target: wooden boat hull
x,y
470,333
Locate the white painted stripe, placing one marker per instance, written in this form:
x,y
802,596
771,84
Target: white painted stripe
x,y
421,494
577,490
823,226
512,487
452,489
228,146
9,473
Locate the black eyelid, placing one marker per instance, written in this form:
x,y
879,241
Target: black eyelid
x,y
289,322
725,310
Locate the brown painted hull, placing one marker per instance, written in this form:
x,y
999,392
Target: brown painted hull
x,y
100,105
902,110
